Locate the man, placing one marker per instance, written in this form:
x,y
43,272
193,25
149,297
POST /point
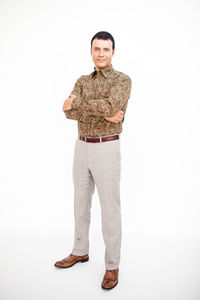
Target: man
x,y
98,101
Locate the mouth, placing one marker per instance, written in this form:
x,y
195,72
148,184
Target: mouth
x,y
101,60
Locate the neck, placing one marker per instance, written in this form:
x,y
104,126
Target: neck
x,y
98,69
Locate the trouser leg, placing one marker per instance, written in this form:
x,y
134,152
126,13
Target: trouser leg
x,y
83,191
105,165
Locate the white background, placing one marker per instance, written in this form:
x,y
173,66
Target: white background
x,y
45,47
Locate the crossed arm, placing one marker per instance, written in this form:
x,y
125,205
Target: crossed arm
x,y
78,114
106,107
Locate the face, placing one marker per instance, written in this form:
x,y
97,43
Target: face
x,y
102,53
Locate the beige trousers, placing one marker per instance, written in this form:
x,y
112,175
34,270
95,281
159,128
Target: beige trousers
x,y
98,164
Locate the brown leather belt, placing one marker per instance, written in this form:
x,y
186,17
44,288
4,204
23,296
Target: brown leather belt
x,y
99,139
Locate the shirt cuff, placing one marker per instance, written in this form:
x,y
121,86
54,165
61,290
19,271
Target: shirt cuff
x,y
76,102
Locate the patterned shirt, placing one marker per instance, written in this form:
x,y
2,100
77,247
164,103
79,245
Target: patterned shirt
x,y
100,94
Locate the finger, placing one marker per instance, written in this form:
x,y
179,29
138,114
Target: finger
x,y
119,115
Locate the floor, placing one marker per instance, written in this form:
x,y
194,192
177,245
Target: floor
x,y
151,267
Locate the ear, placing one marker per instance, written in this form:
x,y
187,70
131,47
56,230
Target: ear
x,y
113,52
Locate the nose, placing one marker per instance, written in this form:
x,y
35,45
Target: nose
x,y
101,52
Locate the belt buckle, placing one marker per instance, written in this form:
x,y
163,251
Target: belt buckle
x,y
100,139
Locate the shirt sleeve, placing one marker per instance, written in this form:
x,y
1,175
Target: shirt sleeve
x,y
107,106
75,113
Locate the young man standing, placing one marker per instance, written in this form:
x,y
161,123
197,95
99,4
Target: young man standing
x,y
98,101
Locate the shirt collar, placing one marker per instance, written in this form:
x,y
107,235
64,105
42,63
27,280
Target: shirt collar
x,y
105,71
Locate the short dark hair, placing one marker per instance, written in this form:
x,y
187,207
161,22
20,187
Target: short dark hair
x,y
104,35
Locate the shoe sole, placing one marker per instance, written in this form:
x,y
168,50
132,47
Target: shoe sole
x,y
82,260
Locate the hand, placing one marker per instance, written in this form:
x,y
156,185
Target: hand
x,y
68,102
116,118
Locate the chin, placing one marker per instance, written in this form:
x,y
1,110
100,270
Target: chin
x,y
101,65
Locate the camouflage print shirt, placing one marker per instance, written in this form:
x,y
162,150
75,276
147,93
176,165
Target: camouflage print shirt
x,y
99,94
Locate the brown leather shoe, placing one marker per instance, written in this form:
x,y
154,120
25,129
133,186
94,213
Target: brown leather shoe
x,y
110,279
71,260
